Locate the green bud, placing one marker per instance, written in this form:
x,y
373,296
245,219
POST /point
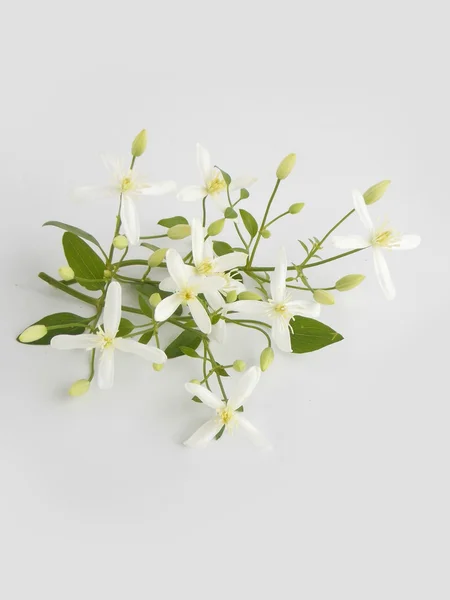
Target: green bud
x,y
216,227
158,366
265,233
239,366
139,144
196,381
286,165
32,334
80,387
296,208
154,299
249,296
232,296
66,273
266,358
107,274
179,232
230,213
120,242
349,282
323,297
374,193
155,259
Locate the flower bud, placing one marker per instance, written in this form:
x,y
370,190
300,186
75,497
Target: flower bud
x,y
265,233
296,208
323,297
158,366
239,366
266,358
155,259
66,273
374,193
230,213
286,166
120,242
232,296
216,227
196,381
349,282
107,274
154,299
179,232
139,144
32,334
79,388
249,296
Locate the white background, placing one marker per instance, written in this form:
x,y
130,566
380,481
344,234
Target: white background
x,y
99,498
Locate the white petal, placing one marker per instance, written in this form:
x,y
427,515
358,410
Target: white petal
x,y
252,433
281,334
362,210
113,309
205,395
176,267
219,332
207,284
350,242
167,307
105,369
304,308
198,243
204,163
383,275
147,352
278,279
168,285
215,300
245,386
191,193
157,188
86,341
254,307
204,434
199,315
226,262
130,220
244,181
221,201
407,242
94,192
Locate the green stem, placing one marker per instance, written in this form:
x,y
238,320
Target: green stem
x,y
153,237
327,260
92,363
276,218
242,323
219,379
263,223
204,212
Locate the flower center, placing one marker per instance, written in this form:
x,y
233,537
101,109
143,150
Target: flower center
x,y
186,295
386,238
127,184
280,309
205,267
226,415
216,185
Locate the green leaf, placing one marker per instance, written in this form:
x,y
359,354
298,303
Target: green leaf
x,y
250,222
374,193
125,327
189,352
308,335
173,221
63,318
221,371
221,248
84,261
145,306
147,289
75,230
244,194
225,176
230,213
146,337
196,399
220,434
187,339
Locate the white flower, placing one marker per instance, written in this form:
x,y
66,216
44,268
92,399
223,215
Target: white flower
x,y
186,285
105,340
280,309
213,182
131,186
379,238
227,414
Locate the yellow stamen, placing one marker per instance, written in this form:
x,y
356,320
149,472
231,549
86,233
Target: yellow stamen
x,y
216,185
186,295
127,184
226,415
205,267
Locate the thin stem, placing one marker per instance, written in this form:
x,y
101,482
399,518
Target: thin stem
x,y
327,260
91,365
153,237
276,218
204,212
249,326
219,379
263,223
236,226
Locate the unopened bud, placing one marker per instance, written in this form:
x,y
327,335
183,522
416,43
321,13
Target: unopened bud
x,y
196,381
154,299
296,208
266,358
374,193
349,282
139,144
232,296
120,242
323,297
66,273
32,334
265,233
239,366
155,259
249,296
107,274
230,213
158,366
80,387
286,165
179,232
216,227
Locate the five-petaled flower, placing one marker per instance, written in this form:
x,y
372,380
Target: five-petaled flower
x,y
227,414
214,184
279,309
379,238
105,341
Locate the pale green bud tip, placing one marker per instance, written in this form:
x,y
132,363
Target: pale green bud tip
x,y
154,299
232,296
239,366
249,296
296,208
196,381
286,166
323,297
179,232
80,387
32,334
120,242
265,233
66,273
374,193
107,274
230,213
157,257
216,227
158,366
139,144
266,358
349,282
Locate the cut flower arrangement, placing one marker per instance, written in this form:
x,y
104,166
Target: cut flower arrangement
x,y
213,287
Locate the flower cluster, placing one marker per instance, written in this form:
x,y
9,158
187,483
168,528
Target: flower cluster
x,y
213,286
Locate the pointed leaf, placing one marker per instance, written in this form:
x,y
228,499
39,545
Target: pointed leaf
x,y
249,222
221,248
308,335
85,263
76,230
172,221
187,339
125,327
